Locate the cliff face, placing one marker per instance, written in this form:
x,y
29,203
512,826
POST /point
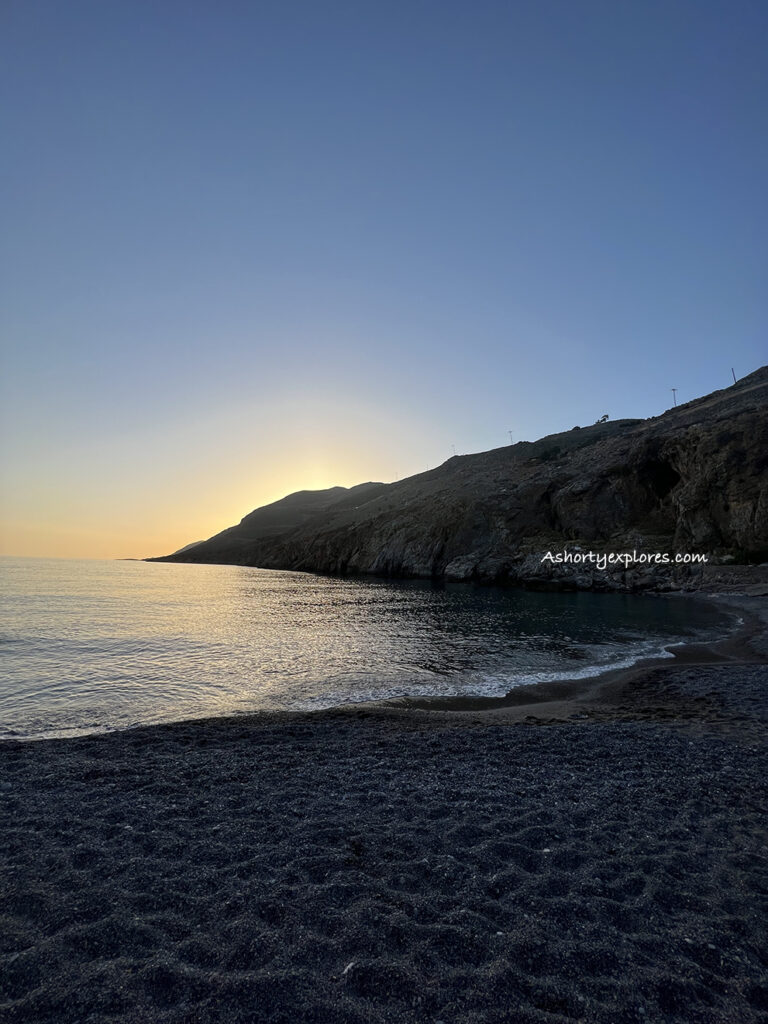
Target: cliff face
x,y
692,480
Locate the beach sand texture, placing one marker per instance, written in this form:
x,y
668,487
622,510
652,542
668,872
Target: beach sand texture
x,y
387,864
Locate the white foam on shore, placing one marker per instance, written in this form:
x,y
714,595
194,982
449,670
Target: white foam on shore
x,y
493,685
594,660
596,669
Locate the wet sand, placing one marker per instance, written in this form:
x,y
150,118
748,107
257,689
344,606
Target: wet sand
x,y
586,852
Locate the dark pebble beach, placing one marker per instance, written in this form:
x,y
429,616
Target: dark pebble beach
x,y
391,864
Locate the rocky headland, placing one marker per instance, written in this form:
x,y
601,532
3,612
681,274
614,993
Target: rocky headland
x,y
691,481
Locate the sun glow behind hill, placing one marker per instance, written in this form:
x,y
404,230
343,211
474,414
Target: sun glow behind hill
x,y
291,246
194,482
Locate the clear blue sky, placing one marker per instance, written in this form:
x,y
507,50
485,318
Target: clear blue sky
x,y
251,247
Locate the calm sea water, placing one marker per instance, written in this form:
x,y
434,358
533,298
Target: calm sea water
x,y
89,645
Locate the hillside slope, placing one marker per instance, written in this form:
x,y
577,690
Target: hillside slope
x,y
694,479
236,543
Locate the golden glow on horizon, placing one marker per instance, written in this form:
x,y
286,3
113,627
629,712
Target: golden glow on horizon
x,y
139,518
143,539
150,492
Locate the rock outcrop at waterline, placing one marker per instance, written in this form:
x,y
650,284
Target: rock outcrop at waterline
x,y
694,479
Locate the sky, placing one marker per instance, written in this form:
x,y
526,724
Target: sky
x,y
249,248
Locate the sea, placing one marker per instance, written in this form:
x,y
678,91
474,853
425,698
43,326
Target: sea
x,y
92,646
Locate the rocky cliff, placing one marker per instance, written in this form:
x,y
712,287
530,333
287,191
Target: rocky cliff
x,y
694,480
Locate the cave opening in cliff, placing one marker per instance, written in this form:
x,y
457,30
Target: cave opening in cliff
x,y
660,477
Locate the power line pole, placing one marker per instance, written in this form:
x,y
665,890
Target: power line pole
x,y
674,394
733,375
510,436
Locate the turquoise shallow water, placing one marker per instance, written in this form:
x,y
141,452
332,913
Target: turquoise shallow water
x,y
90,645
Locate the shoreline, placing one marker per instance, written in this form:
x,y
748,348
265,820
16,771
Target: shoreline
x,y
552,700
597,855
559,699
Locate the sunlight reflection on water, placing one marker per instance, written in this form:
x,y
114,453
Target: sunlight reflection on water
x,y
89,645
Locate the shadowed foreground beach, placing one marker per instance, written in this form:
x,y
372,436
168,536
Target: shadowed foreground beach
x,y
393,864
